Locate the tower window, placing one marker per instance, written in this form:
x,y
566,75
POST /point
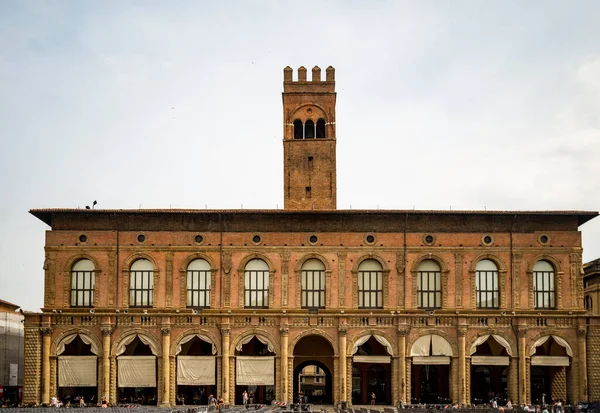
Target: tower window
x,y
308,191
309,129
298,129
321,128
310,162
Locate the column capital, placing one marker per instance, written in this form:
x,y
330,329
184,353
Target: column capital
x,y
165,330
403,330
522,332
106,331
342,331
284,330
225,330
46,331
462,331
582,332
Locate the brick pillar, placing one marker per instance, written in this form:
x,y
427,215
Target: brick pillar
x,y
402,384
166,368
284,331
461,385
113,380
513,380
225,334
454,379
558,383
342,331
105,388
33,365
46,341
582,359
523,383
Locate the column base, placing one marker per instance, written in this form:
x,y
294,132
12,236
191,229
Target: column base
x,y
165,404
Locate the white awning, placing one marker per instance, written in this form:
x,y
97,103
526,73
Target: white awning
x,y
191,337
560,341
263,340
136,371
196,370
438,344
549,361
77,371
372,359
255,371
68,339
380,339
490,360
431,360
482,339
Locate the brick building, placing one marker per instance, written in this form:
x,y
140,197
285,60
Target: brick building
x,y
11,353
427,306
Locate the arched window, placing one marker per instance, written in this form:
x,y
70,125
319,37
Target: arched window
x,y
256,284
141,284
321,128
429,285
309,129
83,281
313,284
543,285
298,132
198,284
486,282
370,284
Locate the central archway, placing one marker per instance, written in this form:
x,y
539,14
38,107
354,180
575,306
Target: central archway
x,y
316,351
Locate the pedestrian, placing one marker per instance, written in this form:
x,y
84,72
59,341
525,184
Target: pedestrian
x,y
81,402
372,398
220,403
245,398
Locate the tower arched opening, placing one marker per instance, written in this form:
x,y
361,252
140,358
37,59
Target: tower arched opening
x,y
321,129
298,129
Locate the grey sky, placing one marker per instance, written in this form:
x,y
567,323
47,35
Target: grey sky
x,y
462,104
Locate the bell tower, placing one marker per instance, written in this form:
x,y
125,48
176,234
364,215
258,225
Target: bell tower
x,y
309,140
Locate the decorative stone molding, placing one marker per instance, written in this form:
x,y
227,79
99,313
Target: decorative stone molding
x,y
169,280
577,290
49,279
111,277
227,264
385,272
242,277
444,271
298,272
342,278
285,265
502,274
516,268
183,278
400,267
458,278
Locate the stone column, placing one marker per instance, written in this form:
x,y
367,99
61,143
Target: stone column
x,y
105,389
402,383
522,367
46,341
462,332
284,331
225,334
166,368
342,331
582,358
513,381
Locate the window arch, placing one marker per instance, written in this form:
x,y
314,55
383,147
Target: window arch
x,y
321,128
486,283
309,129
198,284
370,284
543,285
83,282
313,284
141,284
256,284
298,132
429,285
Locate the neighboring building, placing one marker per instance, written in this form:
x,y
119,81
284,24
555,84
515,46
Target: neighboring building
x,y
11,353
591,280
427,306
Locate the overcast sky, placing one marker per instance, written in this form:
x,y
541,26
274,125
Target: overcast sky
x,y
441,104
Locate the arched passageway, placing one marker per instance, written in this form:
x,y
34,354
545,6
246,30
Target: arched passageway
x,y
255,370
196,370
430,374
136,372
550,364
371,370
490,359
313,355
77,370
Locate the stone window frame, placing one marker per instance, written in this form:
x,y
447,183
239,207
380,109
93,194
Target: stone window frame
x,y
558,276
126,270
183,278
444,271
502,274
67,278
385,272
298,272
241,272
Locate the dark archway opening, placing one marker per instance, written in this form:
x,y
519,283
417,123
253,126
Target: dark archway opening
x,y
321,128
430,384
550,366
309,129
313,383
131,393
489,381
196,394
371,377
259,392
298,132
72,394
